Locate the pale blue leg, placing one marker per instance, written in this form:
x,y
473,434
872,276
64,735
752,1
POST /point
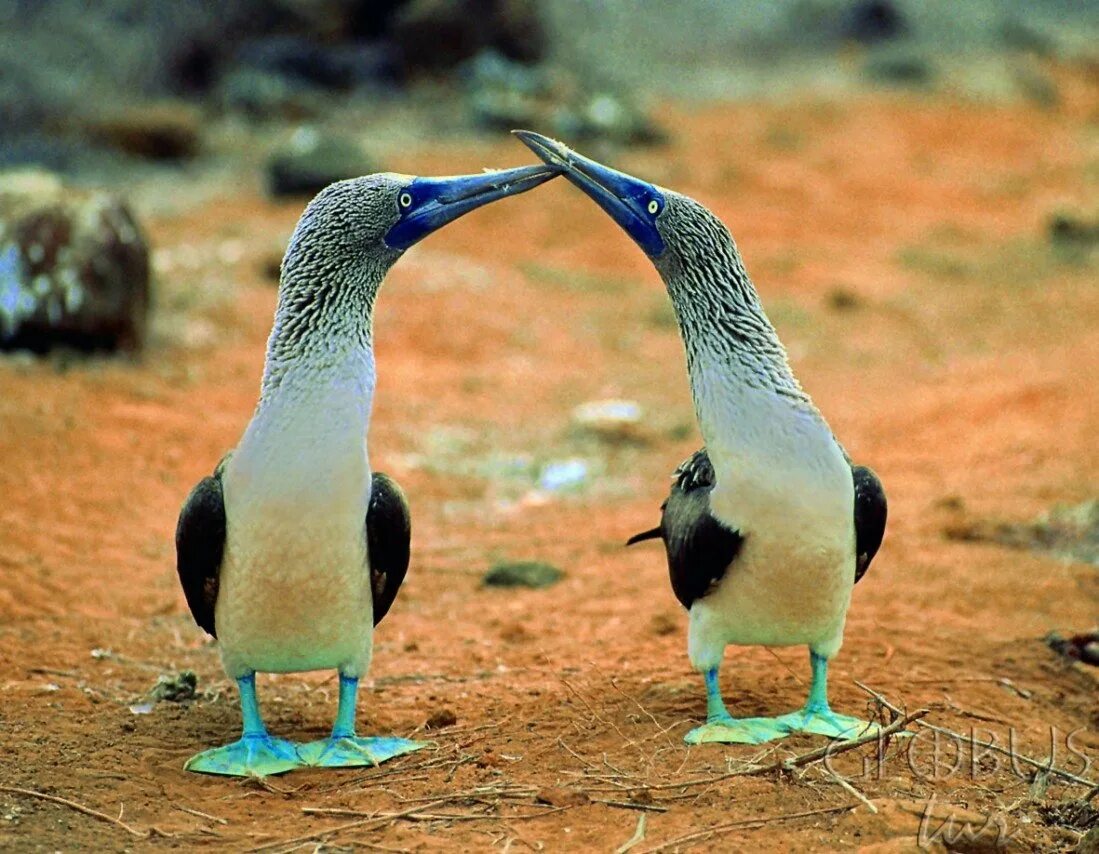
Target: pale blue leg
x,y
722,727
343,748
257,754
816,716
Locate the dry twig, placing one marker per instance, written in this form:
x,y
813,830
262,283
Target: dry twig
x,y
1038,765
630,805
847,787
831,749
182,808
362,822
637,838
746,823
73,805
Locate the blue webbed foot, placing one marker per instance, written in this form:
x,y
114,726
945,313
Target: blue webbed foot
x,y
349,751
729,730
828,723
817,717
344,749
723,728
257,755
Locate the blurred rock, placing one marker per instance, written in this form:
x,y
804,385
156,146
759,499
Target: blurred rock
x,y
1072,230
609,116
870,21
341,67
436,35
74,267
161,130
841,299
312,160
1066,531
441,718
175,689
534,574
504,94
1082,647
1024,36
260,95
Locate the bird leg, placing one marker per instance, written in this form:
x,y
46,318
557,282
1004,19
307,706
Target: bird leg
x,y
723,728
256,754
343,748
817,717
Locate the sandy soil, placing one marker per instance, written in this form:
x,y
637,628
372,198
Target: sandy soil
x,y
900,246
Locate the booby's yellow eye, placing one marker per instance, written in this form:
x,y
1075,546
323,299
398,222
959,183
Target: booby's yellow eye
x,y
654,206
405,200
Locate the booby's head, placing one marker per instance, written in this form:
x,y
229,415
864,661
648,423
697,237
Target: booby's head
x,y
371,220
718,309
674,230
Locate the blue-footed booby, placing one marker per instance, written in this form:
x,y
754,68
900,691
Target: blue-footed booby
x,y
768,527
293,550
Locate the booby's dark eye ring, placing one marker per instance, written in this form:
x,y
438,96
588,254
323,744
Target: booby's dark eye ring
x,y
654,206
405,200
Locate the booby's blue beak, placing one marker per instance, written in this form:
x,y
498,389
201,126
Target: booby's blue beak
x,y
632,203
427,204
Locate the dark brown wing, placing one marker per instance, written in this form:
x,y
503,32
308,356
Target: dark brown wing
x,y
388,538
700,549
870,515
200,545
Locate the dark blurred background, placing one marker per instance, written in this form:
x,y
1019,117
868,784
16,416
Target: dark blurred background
x,y
173,101
160,79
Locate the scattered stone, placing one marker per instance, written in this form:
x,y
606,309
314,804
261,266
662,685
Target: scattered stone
x,y
74,267
607,116
614,420
175,689
563,475
562,797
870,21
514,633
161,130
663,624
1075,814
1082,647
1066,531
1072,230
436,35
842,299
440,719
504,94
312,160
531,573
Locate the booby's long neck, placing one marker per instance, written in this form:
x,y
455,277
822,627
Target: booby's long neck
x,y
319,375
746,397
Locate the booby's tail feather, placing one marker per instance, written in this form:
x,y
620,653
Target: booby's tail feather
x,y
651,534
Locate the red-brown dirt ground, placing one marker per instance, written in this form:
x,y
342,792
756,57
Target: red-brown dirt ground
x,y
900,245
